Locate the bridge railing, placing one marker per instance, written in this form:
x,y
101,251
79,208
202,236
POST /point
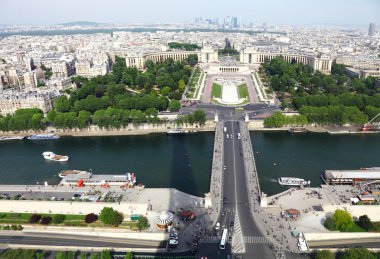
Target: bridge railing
x,y
252,177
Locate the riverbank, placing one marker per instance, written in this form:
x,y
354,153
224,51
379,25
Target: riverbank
x,y
144,129
94,130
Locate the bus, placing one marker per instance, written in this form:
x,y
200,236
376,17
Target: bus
x,y
224,239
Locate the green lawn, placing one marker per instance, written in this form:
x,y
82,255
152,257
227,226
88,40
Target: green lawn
x,y
216,91
243,91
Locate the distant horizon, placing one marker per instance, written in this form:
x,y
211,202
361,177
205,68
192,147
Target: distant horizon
x,y
184,23
273,12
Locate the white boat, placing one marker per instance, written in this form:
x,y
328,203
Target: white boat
x,y
12,137
291,181
64,173
51,156
43,136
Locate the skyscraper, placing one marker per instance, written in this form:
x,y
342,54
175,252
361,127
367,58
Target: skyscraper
x,y
371,30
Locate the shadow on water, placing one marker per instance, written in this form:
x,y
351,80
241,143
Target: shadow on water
x,y
181,167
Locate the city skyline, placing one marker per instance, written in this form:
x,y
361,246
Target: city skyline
x,y
336,12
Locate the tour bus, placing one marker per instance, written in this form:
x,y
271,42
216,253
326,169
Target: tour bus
x,y
224,239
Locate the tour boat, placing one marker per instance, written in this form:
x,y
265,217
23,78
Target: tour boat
x,y
51,156
70,172
291,181
43,136
180,132
12,137
297,130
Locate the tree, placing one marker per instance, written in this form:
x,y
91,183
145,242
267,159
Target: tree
x,y
365,222
58,218
62,104
90,218
329,223
95,256
34,218
174,105
84,119
358,253
342,220
109,216
46,220
128,255
106,254
165,90
324,254
200,117
142,223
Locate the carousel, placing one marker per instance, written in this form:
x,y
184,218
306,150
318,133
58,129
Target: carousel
x,y
164,219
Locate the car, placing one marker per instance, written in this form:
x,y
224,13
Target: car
x,y
227,136
53,198
224,199
223,212
5,195
77,195
173,236
232,224
217,226
229,238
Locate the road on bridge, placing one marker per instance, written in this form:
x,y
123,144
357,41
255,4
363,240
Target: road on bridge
x,y
247,239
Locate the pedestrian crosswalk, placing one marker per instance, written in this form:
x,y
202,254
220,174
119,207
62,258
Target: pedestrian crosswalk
x,y
243,239
210,239
256,240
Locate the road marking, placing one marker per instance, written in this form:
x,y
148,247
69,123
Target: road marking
x,y
256,240
238,245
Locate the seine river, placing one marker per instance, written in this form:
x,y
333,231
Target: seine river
x,y
184,162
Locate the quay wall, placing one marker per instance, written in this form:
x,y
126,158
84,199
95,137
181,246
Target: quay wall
x,y
131,129
96,232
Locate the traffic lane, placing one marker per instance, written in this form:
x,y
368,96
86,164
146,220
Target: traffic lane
x,y
244,210
51,241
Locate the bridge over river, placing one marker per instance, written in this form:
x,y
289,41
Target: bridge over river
x,y
236,195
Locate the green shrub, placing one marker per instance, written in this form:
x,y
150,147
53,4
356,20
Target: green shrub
x,y
58,218
34,218
329,223
46,220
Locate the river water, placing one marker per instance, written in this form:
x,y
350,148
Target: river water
x,y
184,162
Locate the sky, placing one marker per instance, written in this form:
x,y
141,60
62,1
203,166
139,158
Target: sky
x,y
291,12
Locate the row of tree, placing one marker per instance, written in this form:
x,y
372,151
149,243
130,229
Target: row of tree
x,y
334,115
197,117
23,119
38,254
183,46
346,99
26,119
278,120
350,253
